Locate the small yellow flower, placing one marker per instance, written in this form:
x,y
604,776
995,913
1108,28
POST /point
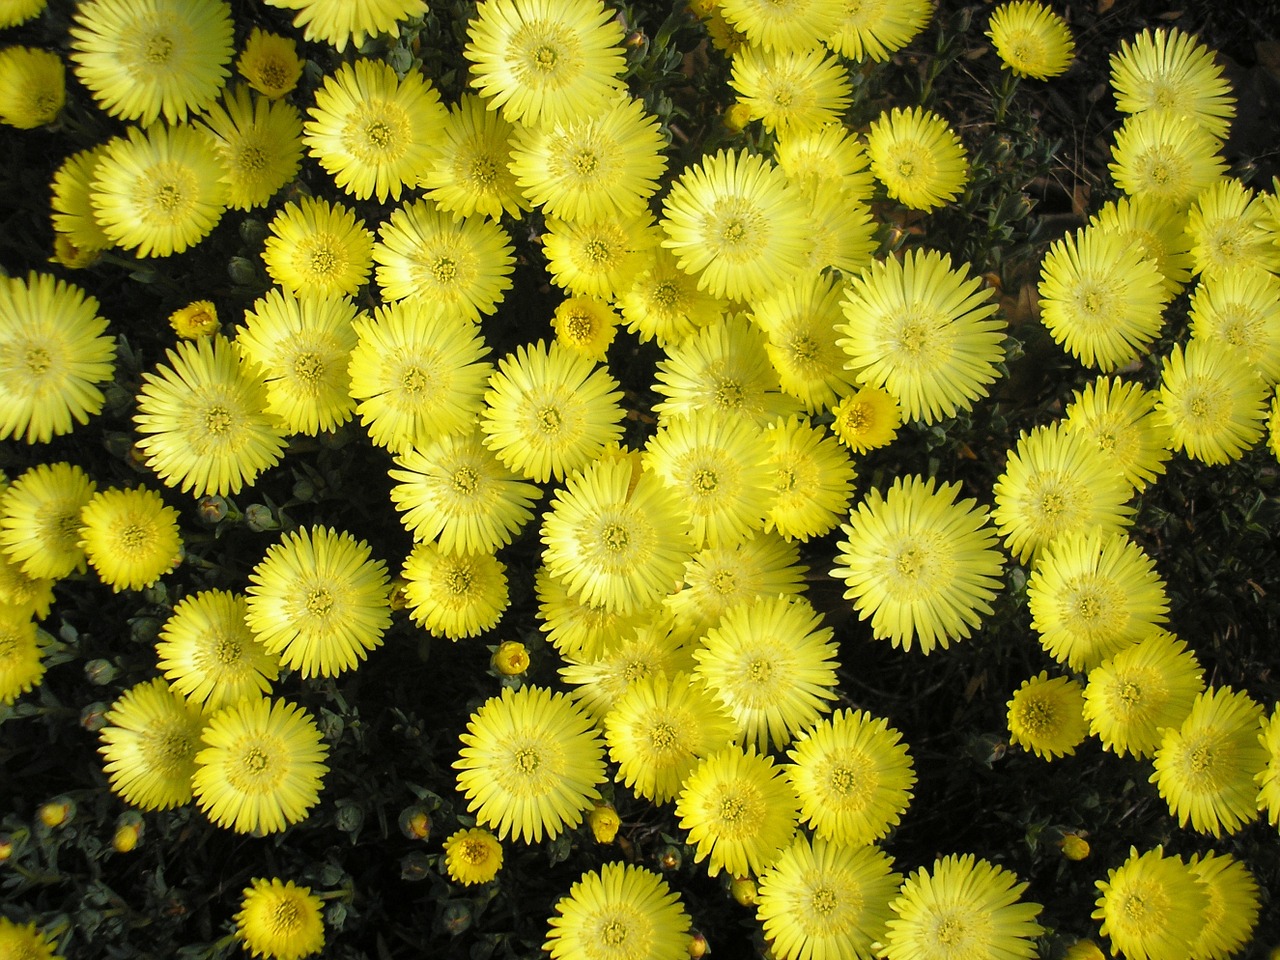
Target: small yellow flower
x,y
473,856
270,63
197,319
867,419
511,658
280,921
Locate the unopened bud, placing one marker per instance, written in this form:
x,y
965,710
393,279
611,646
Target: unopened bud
x,y
415,822
57,812
260,518
698,946
6,847
1074,846
211,509
456,917
604,822
736,117
744,891
670,858
349,818
414,866
128,832
511,658
100,672
94,717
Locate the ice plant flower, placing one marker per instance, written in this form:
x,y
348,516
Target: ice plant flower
x,y
664,303
599,256
918,157
1031,40
1241,307
32,87
77,233
318,247
800,320
1119,416
792,90
921,565
853,775
1151,906
1227,229
529,764
149,745
620,912
875,29
21,657
262,766
14,12
1046,716
144,58
269,63
130,537
961,907
1268,777
1232,913
208,653
319,601
1167,69
923,331
812,480
197,319
454,595
790,26
468,172
337,22
472,856
1165,156
40,519
867,419
1157,229
1212,401
259,143
586,325
655,646
25,940
279,921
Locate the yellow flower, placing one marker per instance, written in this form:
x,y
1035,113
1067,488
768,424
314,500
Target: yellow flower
x,y
1031,39
800,320
579,631
1047,716
867,419
258,142
196,320
875,29
664,303
337,22
1241,307
372,131
788,26
319,601
468,172
604,822
14,12
54,351
1156,229
1227,228
21,659
149,746
130,537
620,912
318,247
790,90
598,257
1212,401
828,159
280,921
1151,906
25,941
40,519
511,659
1165,156
142,58
1120,418
585,325
24,594
842,231
262,766
918,157
455,595
33,87
812,480
270,63
657,645
203,420
472,856
208,653
1171,70
72,207
543,62
529,764
1232,913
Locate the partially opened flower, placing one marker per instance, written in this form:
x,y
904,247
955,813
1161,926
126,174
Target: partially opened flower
x,y
1157,229
468,172
918,157
1151,906
853,775
529,764
318,601
620,912
258,141
130,537
586,325
581,631
1165,156
21,657
791,26
1167,69
280,921
842,231
790,90
1205,768
32,87
472,856
455,595
269,63
923,331
875,29
866,419
149,745
1232,913
718,578
40,519
337,22
1212,401
1119,416
920,564
54,351
812,480
142,58
1046,716
208,653
1227,229
371,130
71,203
262,766
318,247
22,593
1031,40
1241,307
204,421
825,900
800,320
196,320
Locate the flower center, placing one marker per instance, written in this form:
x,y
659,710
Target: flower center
x,y
615,933
227,651
135,537
465,480
286,918
458,581
157,50
38,361
548,420
824,901
527,760
705,482
218,420
474,852
273,74
662,735
615,537
444,269
252,159
544,58
319,602
309,368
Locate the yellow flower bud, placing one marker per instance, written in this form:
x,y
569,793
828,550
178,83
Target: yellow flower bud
x,y
744,891
57,812
1084,950
698,946
195,320
511,658
128,833
1074,846
415,823
736,117
604,821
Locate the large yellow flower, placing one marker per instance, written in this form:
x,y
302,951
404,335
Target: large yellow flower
x,y
40,519
258,141
621,912
812,480
787,26
472,856
130,537
1046,716
1120,418
875,29
338,22
1151,906
1031,39
454,595
318,247
21,658
280,921
1165,156
800,320
78,235
32,87
270,63
208,653
1241,307
1212,401
149,745
792,90
1171,70
468,173
26,940
918,157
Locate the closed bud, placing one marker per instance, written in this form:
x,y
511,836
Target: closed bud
x,y
242,272
6,847
128,832
511,658
100,672
604,822
1074,846
144,630
415,822
211,509
348,818
57,812
260,518
94,717
744,891
670,857
698,946
399,599
414,866
456,917
736,117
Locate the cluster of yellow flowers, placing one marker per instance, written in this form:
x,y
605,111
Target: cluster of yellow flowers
x,y
670,579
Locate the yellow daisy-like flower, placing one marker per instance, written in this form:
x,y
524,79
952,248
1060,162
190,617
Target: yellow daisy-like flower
x,y
659,729
210,656
259,143
853,775
739,811
530,763
736,222
33,87
788,26
262,767
197,319
149,746
472,856
25,940
800,320
772,665
130,537
417,375
21,660
1227,228
270,63
543,62
843,232
828,159
372,131
717,467
918,158
1165,156
961,907
721,371
1232,913
1268,776
1092,594
580,631
1047,716
1171,70
812,480
142,58
875,29
1031,40
585,325
460,267
1205,768
54,351
1143,690
1212,401
280,921
1101,298
1119,416
549,411
867,419
302,347
924,332
24,594
1151,906
468,172
1241,307
159,192
620,912
40,519
454,595
825,900
456,492
664,303
598,257
921,565
1056,481
338,22
319,601
598,165
1157,229
656,646
72,207
318,247
14,12
615,540
203,420
790,90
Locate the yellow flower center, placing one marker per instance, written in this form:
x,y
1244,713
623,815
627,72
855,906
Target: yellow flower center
x,y
579,327
527,760
286,917
729,394
37,361
378,133
465,480
157,49
738,811
474,852
321,257
1036,716
169,752
167,193
663,736
218,420
705,482
544,58
615,537
309,368
273,73
458,581
227,651
824,901
134,538
858,418
482,173
615,933
548,420
319,602
848,781
444,270
255,766
251,158
665,295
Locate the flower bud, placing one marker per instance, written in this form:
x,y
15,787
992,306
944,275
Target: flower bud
x,y
670,857
242,272
511,658
94,717
211,509
195,321
349,818
736,117
6,847
1074,846
414,866
260,518
415,822
604,822
456,917
100,672
128,832
57,812
698,946
744,891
